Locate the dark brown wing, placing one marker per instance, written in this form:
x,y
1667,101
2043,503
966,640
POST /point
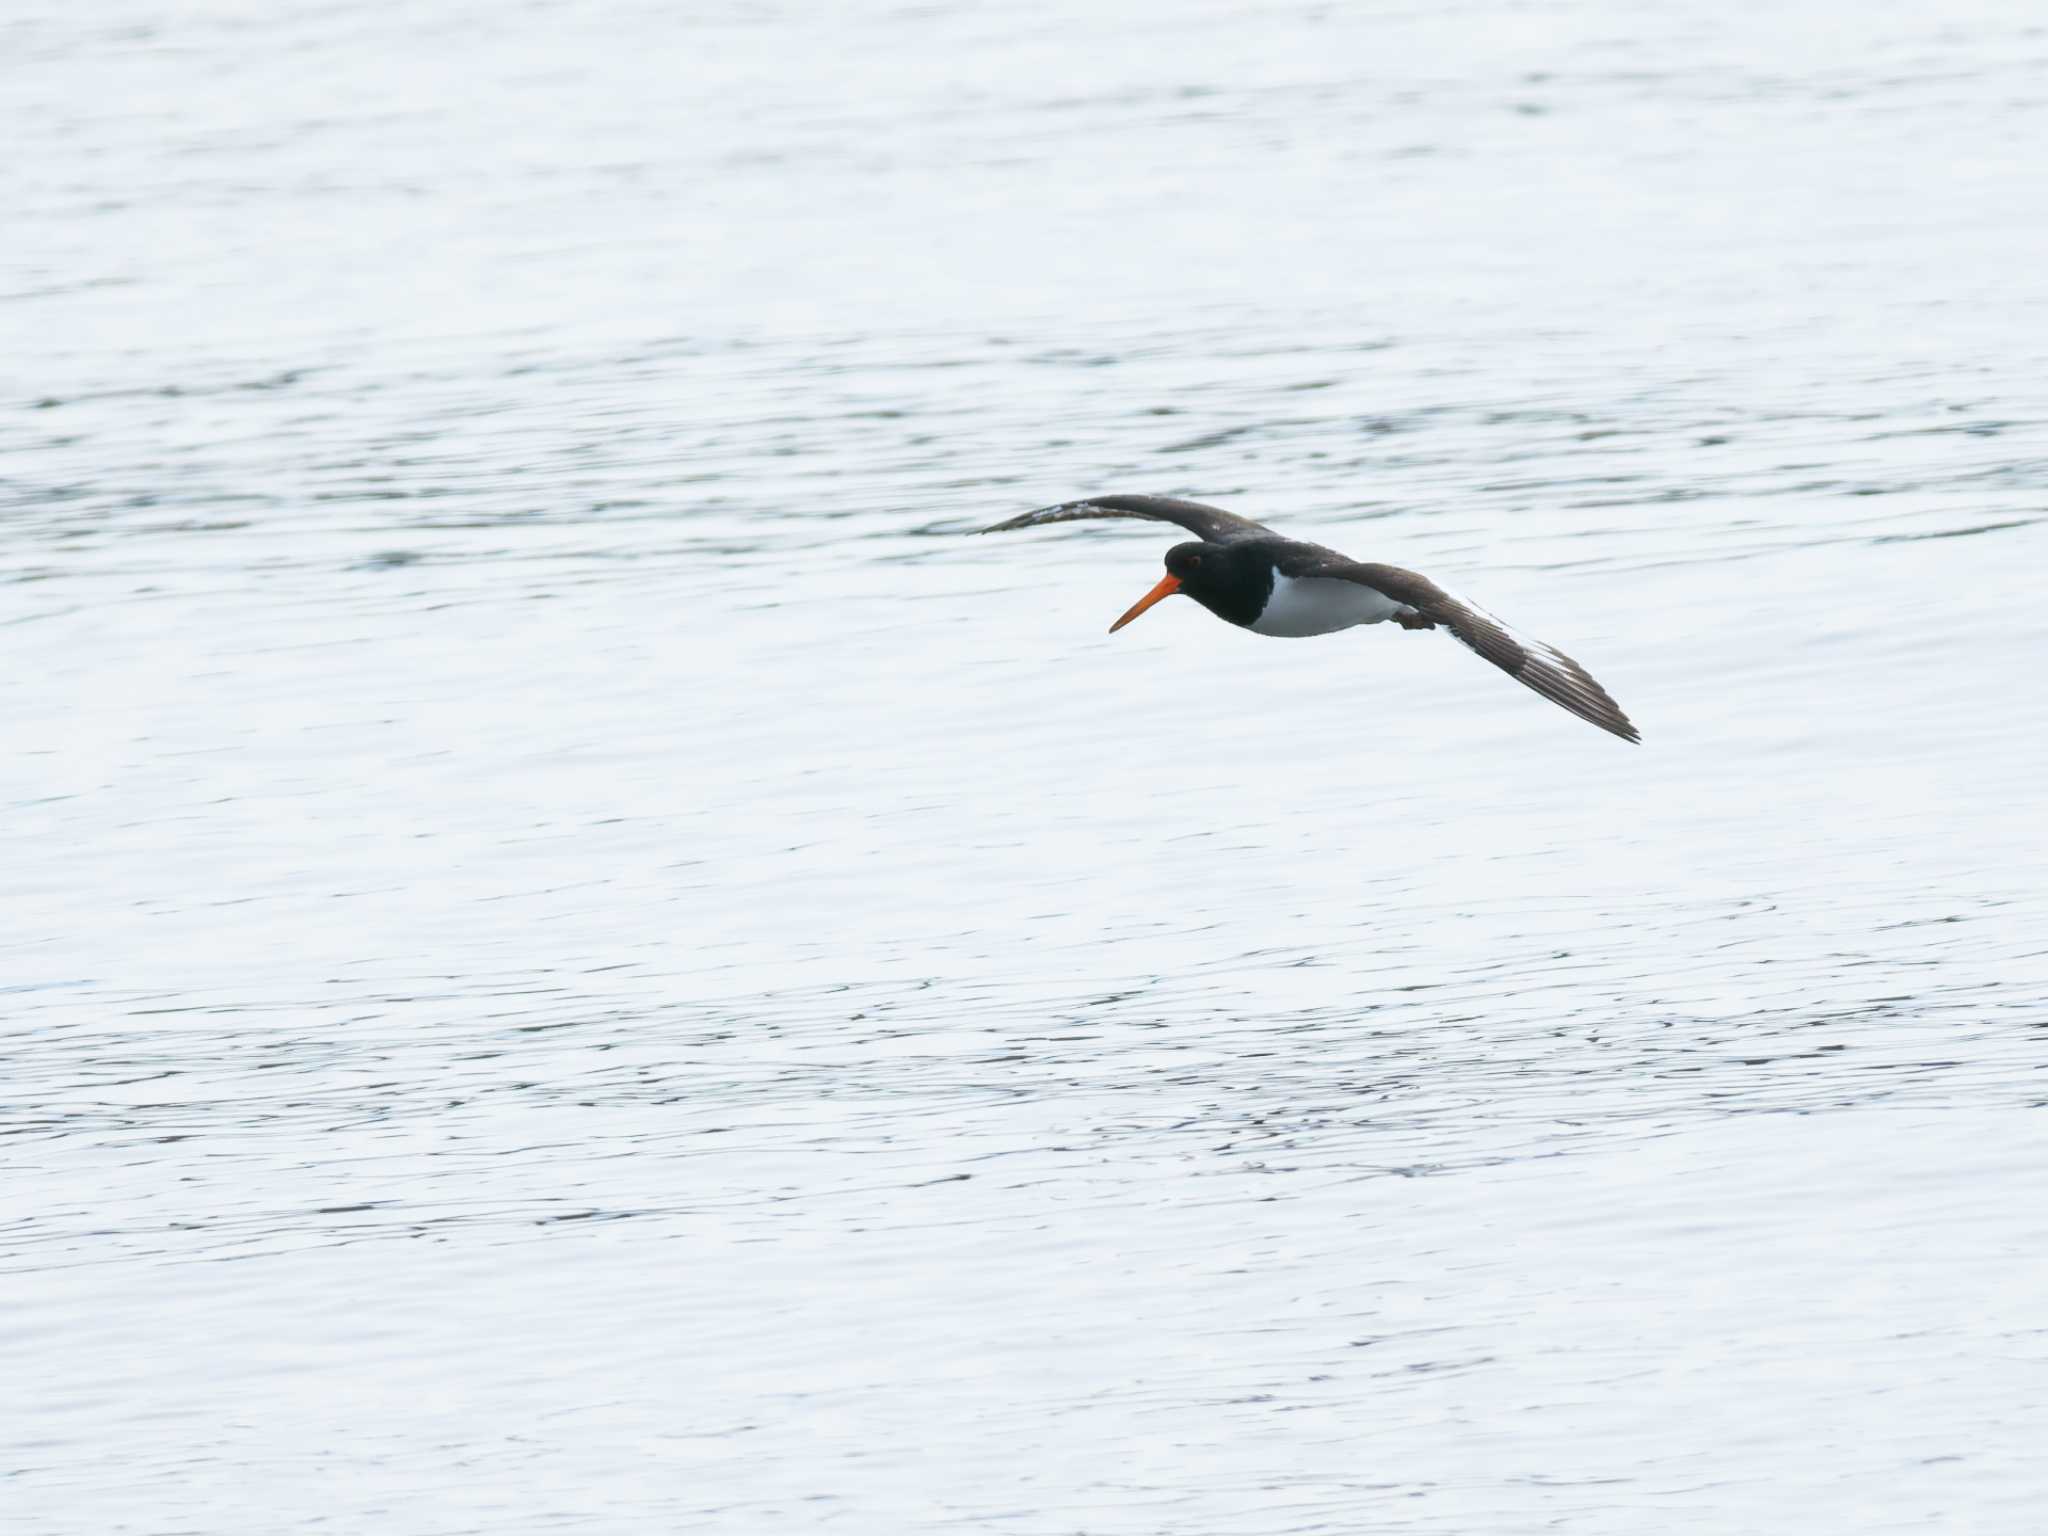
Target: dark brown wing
x,y
1529,662
1210,523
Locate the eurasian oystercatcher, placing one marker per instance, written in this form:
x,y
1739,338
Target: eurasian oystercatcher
x,y
1246,573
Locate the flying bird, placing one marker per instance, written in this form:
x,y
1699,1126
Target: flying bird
x,y
1259,580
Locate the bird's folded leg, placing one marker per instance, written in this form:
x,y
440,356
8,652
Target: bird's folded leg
x,y
1410,619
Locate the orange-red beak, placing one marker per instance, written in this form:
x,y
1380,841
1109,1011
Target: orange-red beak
x,y
1168,585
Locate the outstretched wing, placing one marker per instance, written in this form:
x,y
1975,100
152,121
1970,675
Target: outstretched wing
x,y
1211,523
1529,662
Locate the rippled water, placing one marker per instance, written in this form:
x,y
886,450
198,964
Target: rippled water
x,y
574,957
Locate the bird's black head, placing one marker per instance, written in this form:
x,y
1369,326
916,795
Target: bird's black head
x,y
1231,583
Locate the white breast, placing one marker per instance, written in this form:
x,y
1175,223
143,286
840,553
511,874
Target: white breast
x,y
1319,605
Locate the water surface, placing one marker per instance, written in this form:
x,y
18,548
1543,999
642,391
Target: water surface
x,y
577,956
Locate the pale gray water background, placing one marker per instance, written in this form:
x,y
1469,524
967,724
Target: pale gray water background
x,y
575,959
